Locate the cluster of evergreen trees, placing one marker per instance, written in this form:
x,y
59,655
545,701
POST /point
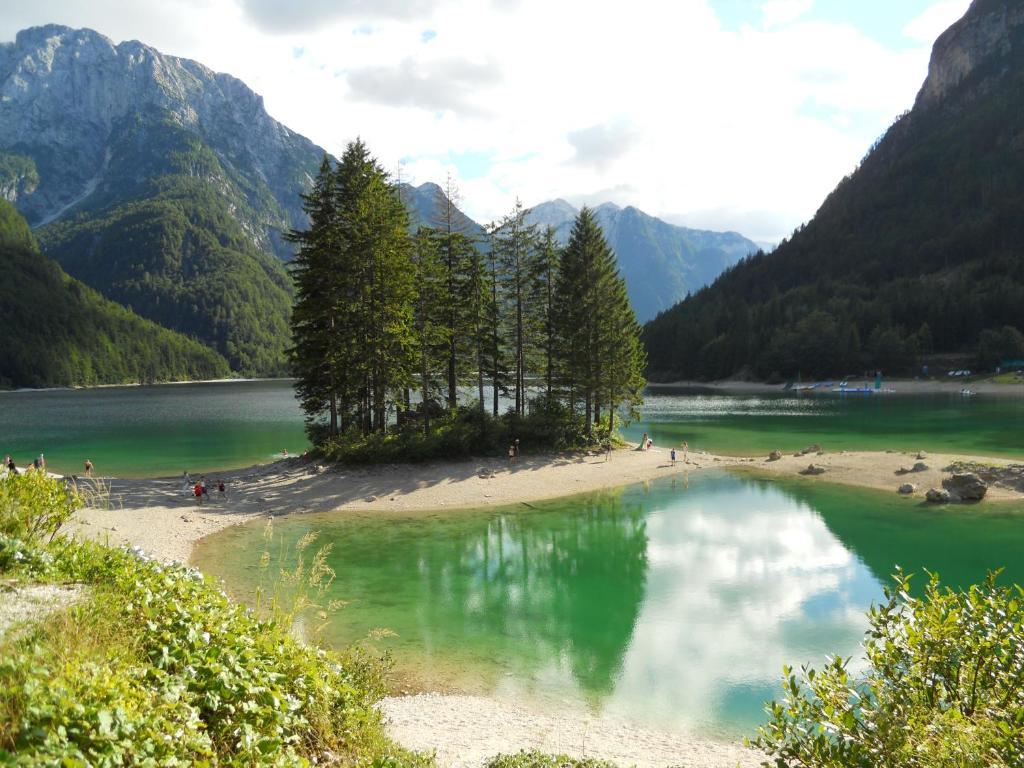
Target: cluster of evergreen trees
x,y
382,312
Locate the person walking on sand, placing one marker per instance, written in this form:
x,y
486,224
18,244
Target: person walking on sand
x,y
511,453
88,468
643,442
515,449
686,452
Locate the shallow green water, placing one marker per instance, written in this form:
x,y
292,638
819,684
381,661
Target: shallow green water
x,y
672,605
150,431
163,430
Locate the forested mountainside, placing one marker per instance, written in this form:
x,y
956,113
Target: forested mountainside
x,y
158,182
920,250
58,332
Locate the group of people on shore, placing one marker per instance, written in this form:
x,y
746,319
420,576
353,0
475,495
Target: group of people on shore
x,y
646,444
38,463
199,489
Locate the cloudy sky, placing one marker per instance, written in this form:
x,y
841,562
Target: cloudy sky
x,y
720,114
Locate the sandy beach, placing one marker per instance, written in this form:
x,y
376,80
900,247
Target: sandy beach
x,y
161,516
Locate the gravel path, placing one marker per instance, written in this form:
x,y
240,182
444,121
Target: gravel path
x,y
28,603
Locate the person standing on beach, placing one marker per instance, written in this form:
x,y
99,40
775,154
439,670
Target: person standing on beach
x,y
643,442
88,468
686,452
198,491
515,448
673,455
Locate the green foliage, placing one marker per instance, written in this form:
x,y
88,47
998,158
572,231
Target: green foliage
x,y
58,332
34,506
944,687
540,760
158,667
925,235
467,432
18,175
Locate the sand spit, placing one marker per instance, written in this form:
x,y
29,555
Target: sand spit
x,y
161,516
466,731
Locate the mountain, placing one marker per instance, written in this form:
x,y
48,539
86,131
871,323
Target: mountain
x,y
918,252
160,183
58,332
427,204
660,262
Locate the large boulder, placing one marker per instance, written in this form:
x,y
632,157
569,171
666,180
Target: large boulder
x,y
965,486
813,469
810,449
907,488
774,455
937,496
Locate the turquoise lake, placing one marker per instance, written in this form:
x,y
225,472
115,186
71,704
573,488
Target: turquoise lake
x,y
672,605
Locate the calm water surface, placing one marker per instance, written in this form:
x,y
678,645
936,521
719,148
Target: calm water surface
x,y
151,431
672,605
163,430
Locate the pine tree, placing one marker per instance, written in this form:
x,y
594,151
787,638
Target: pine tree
x,y
543,277
313,316
596,332
430,314
515,243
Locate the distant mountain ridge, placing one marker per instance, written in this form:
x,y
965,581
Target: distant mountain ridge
x,y
660,262
918,252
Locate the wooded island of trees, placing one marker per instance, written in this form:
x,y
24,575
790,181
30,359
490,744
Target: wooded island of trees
x,y
389,326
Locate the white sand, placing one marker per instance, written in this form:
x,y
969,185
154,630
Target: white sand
x,y
468,730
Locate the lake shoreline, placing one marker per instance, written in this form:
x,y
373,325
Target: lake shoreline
x,y
161,515
899,387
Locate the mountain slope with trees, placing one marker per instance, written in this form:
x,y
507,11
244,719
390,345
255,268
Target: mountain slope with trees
x,y
58,332
919,251
161,184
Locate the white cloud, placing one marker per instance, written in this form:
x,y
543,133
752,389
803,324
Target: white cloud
x,y
776,13
935,20
656,103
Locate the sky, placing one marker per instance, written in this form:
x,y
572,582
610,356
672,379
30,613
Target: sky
x,y
718,114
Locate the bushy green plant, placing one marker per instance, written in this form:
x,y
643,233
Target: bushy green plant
x,y
944,686
34,506
160,666
536,759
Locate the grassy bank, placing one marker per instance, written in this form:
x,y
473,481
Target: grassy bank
x,y
156,666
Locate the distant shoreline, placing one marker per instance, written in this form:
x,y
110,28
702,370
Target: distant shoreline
x,y
154,384
900,387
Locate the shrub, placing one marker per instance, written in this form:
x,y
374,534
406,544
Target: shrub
x,y
465,433
34,506
540,760
944,687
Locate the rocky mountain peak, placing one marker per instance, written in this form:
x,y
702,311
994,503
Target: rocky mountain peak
x,y
71,100
986,41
